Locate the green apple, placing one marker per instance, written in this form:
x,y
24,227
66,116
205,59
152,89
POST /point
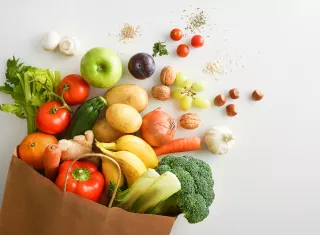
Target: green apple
x,y
101,67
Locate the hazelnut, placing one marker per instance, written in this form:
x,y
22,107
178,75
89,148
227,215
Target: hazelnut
x,y
257,95
220,100
190,121
161,92
234,93
167,76
231,110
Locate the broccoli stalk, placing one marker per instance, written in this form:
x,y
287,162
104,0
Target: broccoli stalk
x,y
125,199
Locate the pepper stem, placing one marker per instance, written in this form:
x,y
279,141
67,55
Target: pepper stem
x,y
81,174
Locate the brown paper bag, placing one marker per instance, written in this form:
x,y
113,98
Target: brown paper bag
x,y
33,205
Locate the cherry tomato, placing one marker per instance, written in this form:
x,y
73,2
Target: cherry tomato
x,y
76,89
197,41
183,50
176,34
51,118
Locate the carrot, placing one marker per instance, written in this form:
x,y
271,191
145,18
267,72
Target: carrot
x,y
51,161
179,145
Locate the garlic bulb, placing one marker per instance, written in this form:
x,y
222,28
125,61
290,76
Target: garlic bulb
x,y
219,140
69,45
50,41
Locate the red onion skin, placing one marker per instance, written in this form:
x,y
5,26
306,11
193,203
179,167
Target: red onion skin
x,y
158,128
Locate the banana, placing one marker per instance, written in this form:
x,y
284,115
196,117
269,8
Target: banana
x,y
131,166
137,146
110,173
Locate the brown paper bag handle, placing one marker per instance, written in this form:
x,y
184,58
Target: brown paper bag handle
x,y
96,155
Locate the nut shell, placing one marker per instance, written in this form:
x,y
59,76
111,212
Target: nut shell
x,y
234,93
190,121
167,76
231,110
220,100
161,92
257,95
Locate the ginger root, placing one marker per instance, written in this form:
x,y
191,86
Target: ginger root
x,y
79,145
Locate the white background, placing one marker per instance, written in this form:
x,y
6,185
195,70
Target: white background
x,y
269,183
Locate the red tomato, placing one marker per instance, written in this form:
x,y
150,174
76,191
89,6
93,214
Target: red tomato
x,y
197,41
183,50
76,89
176,34
51,119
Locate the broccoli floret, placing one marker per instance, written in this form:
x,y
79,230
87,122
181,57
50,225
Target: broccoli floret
x,y
168,160
185,179
196,194
162,169
194,208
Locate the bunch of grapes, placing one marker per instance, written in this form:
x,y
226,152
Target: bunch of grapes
x,y
186,93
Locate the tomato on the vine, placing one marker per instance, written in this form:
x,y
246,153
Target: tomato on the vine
x,y
183,50
52,117
76,89
197,41
176,34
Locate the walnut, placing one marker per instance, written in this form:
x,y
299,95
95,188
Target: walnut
x,y
190,121
167,76
161,92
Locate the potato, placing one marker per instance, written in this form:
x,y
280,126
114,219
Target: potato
x,y
103,132
123,118
129,94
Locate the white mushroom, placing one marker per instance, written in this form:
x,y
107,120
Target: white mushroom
x,y
50,41
69,45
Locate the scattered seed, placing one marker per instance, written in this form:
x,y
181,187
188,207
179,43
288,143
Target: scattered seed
x,y
196,21
213,68
129,32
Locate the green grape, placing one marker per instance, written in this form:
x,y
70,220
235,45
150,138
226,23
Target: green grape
x,y
188,84
201,103
177,93
180,79
186,103
197,86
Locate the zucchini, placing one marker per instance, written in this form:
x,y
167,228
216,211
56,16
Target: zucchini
x,y
85,117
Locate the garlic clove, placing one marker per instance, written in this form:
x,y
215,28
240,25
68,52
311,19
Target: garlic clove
x,y
69,45
50,41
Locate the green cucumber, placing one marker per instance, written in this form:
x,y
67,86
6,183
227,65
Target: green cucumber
x,y
85,117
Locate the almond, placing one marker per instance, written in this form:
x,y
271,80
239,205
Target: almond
x,y
190,121
167,76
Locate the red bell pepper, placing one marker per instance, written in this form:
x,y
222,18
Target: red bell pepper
x,y
83,179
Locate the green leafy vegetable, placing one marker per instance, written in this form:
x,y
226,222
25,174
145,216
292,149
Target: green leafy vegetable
x,y
29,88
159,48
13,108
